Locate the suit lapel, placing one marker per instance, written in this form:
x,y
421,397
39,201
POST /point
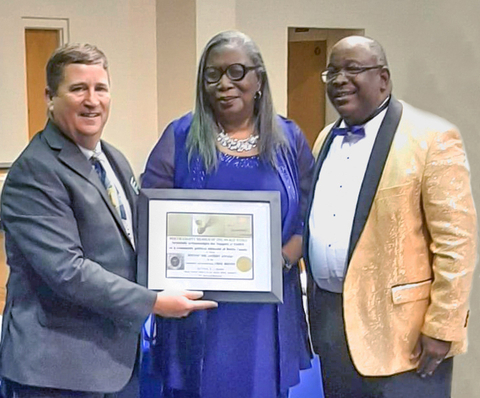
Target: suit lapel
x,y
70,155
374,171
316,172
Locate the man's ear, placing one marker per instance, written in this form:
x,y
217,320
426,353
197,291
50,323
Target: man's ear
x,y
385,76
49,98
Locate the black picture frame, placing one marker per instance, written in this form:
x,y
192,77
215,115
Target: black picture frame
x,y
154,207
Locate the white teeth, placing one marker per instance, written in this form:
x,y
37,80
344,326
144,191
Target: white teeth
x,y
342,95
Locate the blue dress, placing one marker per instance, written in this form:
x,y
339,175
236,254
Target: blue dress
x,y
237,350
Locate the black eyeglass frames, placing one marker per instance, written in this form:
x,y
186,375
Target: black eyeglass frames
x,y
350,72
234,72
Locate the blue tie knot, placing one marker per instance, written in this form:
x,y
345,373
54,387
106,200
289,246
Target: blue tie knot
x,y
97,165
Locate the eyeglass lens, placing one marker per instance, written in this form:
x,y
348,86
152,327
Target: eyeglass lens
x,y
234,72
349,73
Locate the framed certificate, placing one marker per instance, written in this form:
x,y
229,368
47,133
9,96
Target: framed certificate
x,y
224,243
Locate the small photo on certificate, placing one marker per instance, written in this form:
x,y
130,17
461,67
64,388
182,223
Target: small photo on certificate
x,y
206,245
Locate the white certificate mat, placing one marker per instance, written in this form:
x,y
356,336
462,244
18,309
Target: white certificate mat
x,y
214,241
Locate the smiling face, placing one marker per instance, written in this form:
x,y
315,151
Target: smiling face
x,y
231,101
355,99
81,104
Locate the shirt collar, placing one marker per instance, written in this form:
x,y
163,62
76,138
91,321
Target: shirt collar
x,y
88,153
373,125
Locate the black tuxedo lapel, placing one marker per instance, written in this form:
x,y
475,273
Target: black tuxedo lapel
x,y
374,171
316,172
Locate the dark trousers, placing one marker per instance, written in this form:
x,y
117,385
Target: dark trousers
x,y
341,379
11,389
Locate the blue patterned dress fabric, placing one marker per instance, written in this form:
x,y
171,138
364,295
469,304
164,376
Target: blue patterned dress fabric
x,y
238,350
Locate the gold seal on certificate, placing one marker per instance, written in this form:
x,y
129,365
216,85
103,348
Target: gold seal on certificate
x,y
244,264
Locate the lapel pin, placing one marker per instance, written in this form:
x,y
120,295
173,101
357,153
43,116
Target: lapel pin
x,y
134,185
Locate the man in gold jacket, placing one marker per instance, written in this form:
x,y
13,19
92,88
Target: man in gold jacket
x,y
390,240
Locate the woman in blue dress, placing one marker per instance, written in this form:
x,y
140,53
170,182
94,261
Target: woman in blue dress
x,y
235,141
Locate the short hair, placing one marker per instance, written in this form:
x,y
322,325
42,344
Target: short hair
x,y
203,132
378,50
75,53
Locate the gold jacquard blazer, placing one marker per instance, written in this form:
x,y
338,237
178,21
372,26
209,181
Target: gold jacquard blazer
x,y
413,243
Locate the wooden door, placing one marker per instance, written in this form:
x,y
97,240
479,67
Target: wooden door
x,y
306,91
39,46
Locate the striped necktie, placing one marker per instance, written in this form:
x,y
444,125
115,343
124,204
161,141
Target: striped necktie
x,y
112,191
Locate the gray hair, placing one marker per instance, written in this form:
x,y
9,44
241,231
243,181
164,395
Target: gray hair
x,y
378,50
203,132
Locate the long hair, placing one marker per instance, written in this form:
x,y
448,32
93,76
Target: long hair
x,y
203,132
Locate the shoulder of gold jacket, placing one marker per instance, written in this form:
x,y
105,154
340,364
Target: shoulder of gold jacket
x,y
412,267
317,146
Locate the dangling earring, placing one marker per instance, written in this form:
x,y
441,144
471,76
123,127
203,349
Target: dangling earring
x,y
257,95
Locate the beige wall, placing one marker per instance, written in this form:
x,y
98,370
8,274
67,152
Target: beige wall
x,y
213,16
125,31
183,29
176,59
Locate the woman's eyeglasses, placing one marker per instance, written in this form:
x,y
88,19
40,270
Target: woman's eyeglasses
x,y
234,72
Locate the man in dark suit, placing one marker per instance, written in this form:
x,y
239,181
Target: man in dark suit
x,y
73,313
390,241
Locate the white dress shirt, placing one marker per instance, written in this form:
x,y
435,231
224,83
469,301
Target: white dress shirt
x,y
98,153
334,203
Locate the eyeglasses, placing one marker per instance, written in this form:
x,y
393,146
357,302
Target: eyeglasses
x,y
329,76
234,72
